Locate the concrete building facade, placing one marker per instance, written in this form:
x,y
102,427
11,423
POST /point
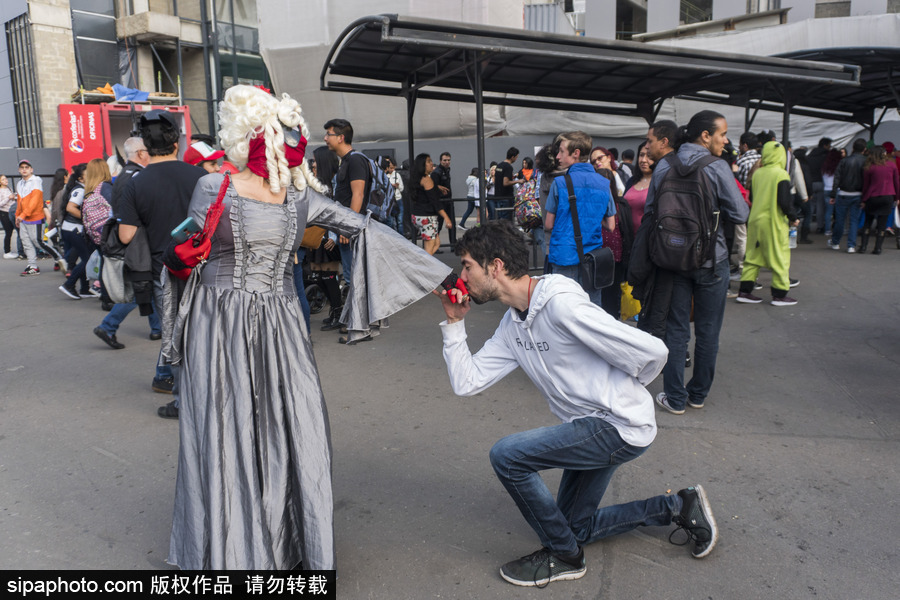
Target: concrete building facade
x,y
190,50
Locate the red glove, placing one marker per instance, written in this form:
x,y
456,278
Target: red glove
x,y
192,255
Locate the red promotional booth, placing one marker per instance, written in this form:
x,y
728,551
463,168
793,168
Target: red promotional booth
x,y
96,130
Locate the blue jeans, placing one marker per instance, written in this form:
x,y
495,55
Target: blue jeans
x,y
82,250
818,200
829,215
346,260
708,288
469,209
574,272
589,450
844,205
114,318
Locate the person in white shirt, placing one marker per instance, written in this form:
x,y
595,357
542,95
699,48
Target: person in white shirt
x,y
592,370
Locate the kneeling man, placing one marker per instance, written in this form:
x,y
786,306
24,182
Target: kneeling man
x,y
592,370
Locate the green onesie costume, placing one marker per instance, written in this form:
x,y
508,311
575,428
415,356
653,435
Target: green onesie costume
x,y
767,229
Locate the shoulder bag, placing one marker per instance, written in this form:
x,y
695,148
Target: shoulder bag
x,y
597,266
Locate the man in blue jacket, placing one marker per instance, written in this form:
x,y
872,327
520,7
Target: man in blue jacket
x,y
596,209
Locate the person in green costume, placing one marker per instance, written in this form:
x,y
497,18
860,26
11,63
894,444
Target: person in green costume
x,y
767,230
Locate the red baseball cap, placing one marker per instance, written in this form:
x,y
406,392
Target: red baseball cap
x,y
24,161
199,152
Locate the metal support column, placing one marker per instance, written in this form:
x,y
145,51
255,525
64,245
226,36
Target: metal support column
x,y
475,82
786,122
411,96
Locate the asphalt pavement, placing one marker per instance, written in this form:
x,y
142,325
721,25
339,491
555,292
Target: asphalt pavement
x,y
798,447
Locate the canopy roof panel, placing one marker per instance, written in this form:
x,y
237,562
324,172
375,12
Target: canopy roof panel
x,y
391,55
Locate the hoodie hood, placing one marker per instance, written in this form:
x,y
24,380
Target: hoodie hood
x,y
546,287
774,154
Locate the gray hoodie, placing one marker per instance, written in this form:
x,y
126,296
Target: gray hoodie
x,y
584,362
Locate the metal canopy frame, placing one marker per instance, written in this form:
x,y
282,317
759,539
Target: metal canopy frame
x,y
396,56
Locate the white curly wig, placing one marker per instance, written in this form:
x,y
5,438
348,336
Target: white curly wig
x,y
247,112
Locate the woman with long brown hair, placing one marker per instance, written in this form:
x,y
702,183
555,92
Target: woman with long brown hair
x,y
881,192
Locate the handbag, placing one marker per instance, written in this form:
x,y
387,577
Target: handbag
x,y
597,266
181,258
312,237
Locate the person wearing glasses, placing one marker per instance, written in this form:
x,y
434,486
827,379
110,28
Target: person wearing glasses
x,y
602,159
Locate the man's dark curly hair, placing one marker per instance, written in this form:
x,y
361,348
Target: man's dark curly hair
x,y
496,239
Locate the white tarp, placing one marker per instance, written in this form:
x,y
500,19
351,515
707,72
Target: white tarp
x,y
295,42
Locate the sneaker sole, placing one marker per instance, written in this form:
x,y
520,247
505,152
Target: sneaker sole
x,y
570,576
668,409
160,391
697,406
68,293
748,301
779,303
714,530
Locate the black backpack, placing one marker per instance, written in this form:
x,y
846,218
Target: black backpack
x,y
685,217
381,197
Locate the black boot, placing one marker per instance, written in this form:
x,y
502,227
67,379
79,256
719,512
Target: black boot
x,y
332,321
865,241
879,241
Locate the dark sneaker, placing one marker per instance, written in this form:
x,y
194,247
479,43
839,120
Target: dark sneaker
x,y
169,411
748,298
793,282
687,360
786,301
542,567
155,336
162,385
663,401
70,292
345,339
696,519
109,339
30,271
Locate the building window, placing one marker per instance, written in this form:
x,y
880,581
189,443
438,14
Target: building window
x,y
24,86
757,6
695,11
96,45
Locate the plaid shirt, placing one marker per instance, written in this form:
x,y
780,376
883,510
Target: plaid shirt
x,y
745,162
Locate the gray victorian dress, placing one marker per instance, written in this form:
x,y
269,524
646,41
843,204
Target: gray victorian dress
x,y
253,489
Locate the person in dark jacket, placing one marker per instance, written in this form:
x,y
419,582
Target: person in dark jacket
x,y
846,195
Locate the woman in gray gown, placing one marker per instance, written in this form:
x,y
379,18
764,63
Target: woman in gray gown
x,y
253,489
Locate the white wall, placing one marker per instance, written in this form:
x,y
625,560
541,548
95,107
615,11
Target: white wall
x,y
662,15
599,19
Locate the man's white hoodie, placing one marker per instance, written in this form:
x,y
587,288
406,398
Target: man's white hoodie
x,y
585,362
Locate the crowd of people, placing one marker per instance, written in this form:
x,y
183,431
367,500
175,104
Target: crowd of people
x,y
262,210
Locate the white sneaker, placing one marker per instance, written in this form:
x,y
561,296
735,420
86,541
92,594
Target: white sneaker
x,y
11,255
663,402
850,250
